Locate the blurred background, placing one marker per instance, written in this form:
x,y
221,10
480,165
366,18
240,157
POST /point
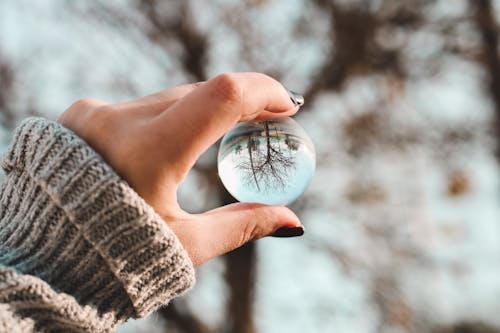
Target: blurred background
x,y
402,101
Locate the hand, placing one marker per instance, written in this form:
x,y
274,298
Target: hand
x,y
154,141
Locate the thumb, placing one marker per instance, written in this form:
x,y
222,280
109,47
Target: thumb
x,y
224,229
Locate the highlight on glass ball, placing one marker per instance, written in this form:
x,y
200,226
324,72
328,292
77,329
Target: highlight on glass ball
x,y
270,162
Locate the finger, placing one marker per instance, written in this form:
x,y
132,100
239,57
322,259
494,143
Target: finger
x,y
205,114
225,229
265,115
158,102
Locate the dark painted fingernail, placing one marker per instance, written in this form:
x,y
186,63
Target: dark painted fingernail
x,y
297,99
289,232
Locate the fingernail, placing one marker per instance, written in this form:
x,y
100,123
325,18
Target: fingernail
x,y
289,232
297,99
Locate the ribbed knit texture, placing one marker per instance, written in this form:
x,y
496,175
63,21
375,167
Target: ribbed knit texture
x,y
79,249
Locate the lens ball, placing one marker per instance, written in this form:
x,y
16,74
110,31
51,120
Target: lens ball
x,y
270,162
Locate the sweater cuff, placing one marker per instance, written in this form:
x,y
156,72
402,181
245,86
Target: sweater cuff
x,y
82,221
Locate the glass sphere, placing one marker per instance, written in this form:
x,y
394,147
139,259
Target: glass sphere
x,y
270,162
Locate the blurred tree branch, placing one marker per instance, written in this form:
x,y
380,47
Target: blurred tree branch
x,y
467,327
181,29
488,28
183,320
354,49
7,91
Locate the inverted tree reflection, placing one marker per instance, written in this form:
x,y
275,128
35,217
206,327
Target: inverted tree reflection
x,y
266,158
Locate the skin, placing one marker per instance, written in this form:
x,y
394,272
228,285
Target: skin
x,y
153,142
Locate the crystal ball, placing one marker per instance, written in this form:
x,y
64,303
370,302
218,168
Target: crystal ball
x,y
270,162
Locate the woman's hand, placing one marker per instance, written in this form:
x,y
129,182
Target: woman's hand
x,y
154,141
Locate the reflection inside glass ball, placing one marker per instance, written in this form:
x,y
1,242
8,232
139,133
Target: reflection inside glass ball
x,y
270,162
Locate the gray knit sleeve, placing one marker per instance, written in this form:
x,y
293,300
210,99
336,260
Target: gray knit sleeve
x,y
71,230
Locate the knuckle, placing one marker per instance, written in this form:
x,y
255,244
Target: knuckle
x,y
258,232
257,225
91,120
250,232
227,88
78,112
84,104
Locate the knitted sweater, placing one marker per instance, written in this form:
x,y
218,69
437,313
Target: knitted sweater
x,y
80,251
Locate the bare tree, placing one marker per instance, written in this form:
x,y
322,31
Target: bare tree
x,y
265,156
488,28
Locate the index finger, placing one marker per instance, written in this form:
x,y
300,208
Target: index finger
x,y
206,113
